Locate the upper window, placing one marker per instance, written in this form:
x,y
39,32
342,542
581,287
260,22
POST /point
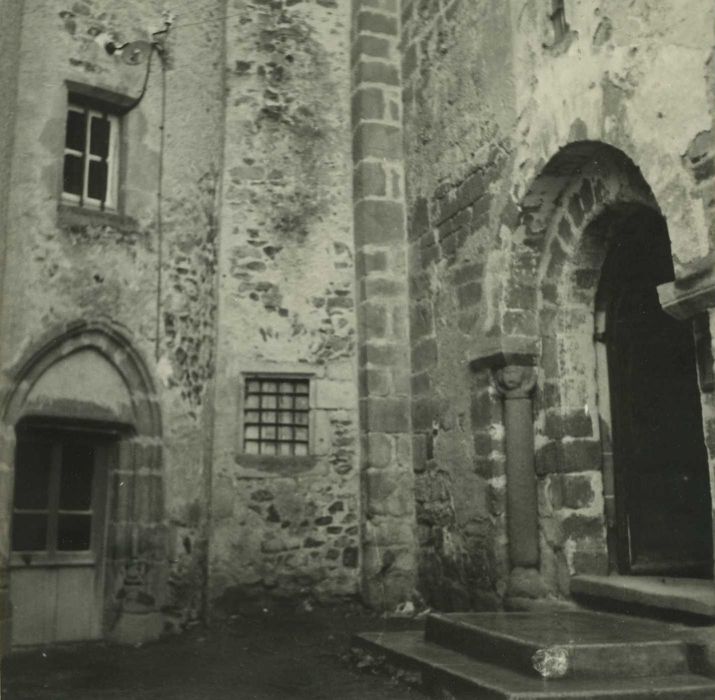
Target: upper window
x,y
276,416
91,170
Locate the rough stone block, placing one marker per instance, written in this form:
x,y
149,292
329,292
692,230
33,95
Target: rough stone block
x,y
379,222
368,45
387,415
373,320
576,424
577,527
421,384
374,382
369,262
423,411
369,180
421,320
572,491
374,140
389,493
373,287
424,355
419,221
380,354
336,395
380,450
376,72
367,103
469,295
376,23
571,456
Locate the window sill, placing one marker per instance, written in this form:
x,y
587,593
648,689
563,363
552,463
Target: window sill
x,y
276,463
72,216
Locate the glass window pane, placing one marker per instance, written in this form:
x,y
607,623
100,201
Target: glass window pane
x,y
285,433
301,434
285,448
268,401
268,448
301,388
268,417
269,387
97,180
29,532
285,417
301,419
250,447
32,474
75,135
73,532
253,401
72,175
253,416
76,476
286,387
268,433
253,386
301,449
302,402
285,402
251,432
99,137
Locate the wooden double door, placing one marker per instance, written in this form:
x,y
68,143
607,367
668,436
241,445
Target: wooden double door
x,y
58,534
662,488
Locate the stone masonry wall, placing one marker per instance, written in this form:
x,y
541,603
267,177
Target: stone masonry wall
x,y
491,93
282,526
457,134
66,266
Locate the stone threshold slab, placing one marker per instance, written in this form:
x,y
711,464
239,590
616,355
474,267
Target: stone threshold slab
x,y
464,677
685,595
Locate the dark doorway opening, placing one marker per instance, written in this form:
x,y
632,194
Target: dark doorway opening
x,y
663,505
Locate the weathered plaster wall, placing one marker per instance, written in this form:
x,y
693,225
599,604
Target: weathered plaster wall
x,y
281,526
490,96
9,59
64,266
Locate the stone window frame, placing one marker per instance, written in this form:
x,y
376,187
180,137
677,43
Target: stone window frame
x,y
276,461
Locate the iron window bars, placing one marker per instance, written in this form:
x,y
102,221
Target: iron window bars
x,y
276,416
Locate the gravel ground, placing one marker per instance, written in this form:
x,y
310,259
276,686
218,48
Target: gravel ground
x,y
259,656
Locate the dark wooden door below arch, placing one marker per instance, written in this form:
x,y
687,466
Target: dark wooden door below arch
x,y
663,502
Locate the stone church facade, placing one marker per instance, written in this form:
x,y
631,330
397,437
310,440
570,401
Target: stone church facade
x,y
324,299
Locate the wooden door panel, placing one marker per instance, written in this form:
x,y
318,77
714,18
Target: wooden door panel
x,y
56,576
33,594
76,610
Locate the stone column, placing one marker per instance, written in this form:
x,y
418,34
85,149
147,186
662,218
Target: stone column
x,y
516,385
389,548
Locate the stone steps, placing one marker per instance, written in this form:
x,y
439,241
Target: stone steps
x,y
546,655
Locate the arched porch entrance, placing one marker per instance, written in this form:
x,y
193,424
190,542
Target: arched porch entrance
x,y
621,462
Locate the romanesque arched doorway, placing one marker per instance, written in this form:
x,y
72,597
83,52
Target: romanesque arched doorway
x,y
660,465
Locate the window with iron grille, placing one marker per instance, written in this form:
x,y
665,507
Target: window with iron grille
x,y
276,416
558,19
90,169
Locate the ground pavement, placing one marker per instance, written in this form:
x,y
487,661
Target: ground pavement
x,y
258,656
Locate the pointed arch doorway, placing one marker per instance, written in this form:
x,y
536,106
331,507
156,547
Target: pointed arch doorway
x,y
663,523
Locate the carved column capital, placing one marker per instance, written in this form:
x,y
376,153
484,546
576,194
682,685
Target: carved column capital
x,y
515,381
